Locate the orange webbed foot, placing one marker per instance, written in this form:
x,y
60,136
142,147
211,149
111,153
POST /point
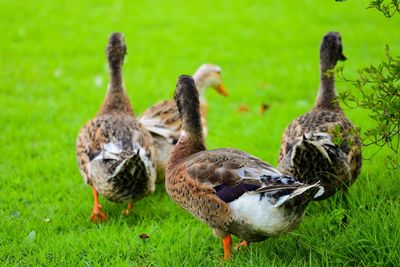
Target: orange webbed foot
x,y
128,210
98,215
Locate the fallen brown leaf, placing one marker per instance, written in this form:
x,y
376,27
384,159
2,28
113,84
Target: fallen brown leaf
x,y
264,107
144,236
243,108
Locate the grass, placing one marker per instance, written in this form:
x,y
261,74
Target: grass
x,y
53,79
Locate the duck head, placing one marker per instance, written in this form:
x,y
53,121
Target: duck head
x,y
331,50
116,50
116,99
187,99
209,75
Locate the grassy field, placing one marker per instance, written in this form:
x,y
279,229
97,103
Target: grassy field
x,y
53,79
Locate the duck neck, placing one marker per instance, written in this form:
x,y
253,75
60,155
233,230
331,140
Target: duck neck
x,y
116,100
203,109
191,139
116,81
201,88
327,98
188,144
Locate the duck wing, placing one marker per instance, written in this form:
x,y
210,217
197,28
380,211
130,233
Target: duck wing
x,y
163,119
329,123
231,173
105,143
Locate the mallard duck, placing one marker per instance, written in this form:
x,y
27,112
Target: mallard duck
x,y
162,119
114,151
323,145
231,191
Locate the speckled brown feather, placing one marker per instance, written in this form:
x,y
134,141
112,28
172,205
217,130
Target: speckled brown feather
x,y
326,118
322,121
166,112
198,198
114,151
192,183
163,122
107,129
206,182
215,167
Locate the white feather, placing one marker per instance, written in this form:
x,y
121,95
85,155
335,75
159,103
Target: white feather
x,y
262,215
295,193
115,148
154,126
320,192
265,215
110,151
147,162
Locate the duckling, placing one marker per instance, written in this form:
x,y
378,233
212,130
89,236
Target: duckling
x,y
323,145
162,119
230,190
115,153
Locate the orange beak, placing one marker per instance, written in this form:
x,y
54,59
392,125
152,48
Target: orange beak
x,y
221,90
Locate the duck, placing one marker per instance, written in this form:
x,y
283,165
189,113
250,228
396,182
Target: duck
x,y
162,119
323,144
230,190
115,152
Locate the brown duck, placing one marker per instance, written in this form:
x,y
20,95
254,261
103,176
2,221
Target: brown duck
x,y
162,119
323,145
114,151
229,190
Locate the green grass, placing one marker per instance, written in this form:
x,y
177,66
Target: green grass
x,y
51,53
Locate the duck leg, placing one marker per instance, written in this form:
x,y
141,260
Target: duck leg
x,y
227,241
97,213
127,211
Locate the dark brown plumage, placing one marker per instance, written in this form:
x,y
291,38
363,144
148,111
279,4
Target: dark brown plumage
x,y
162,119
114,151
231,191
323,145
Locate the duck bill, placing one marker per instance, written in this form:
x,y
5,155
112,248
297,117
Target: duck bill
x,y
342,57
221,90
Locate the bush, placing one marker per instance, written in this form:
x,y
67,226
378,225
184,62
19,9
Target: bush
x,y
378,90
